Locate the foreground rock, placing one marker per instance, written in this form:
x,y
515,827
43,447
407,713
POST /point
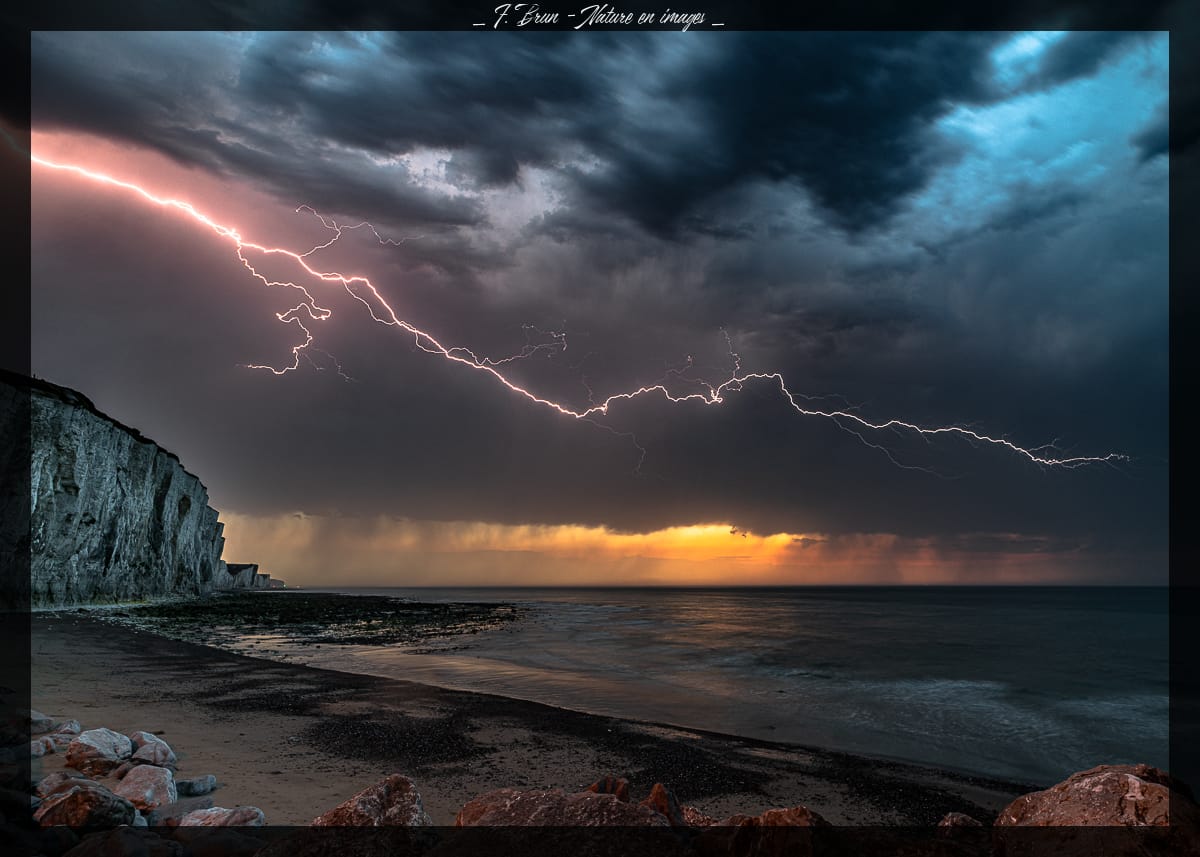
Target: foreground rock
x,y
393,801
169,815
148,786
196,786
58,782
38,722
88,804
98,751
149,749
663,801
1107,795
508,807
217,816
1114,810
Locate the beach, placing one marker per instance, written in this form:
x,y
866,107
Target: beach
x,y
295,740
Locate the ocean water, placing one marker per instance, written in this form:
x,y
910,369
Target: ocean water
x,y
1019,683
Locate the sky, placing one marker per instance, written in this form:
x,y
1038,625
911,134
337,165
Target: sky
x,y
961,230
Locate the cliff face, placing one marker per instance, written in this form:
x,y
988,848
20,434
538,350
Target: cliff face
x,y
114,517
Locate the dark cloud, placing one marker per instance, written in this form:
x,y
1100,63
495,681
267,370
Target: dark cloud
x,y
845,119
643,192
1077,54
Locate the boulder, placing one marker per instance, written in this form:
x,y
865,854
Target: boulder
x,y
39,747
68,727
85,806
196,786
1115,810
393,801
618,786
58,781
121,770
663,801
149,749
508,807
126,842
168,815
217,816
148,786
59,741
1107,795
39,722
98,751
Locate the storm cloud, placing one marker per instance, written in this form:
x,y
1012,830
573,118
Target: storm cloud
x,y
945,228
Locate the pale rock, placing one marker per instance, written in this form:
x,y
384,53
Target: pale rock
x,y
98,751
241,816
148,786
39,722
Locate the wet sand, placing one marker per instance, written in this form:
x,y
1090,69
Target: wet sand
x,y
295,740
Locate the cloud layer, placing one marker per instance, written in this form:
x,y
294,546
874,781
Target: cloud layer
x,y
944,228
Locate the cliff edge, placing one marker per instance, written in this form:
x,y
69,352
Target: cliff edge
x,y
113,516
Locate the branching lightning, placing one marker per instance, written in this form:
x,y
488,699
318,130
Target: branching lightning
x,y
308,310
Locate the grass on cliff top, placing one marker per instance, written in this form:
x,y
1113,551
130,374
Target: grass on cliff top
x,y
316,618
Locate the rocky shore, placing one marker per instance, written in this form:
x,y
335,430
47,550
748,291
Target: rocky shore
x,y
281,759
113,784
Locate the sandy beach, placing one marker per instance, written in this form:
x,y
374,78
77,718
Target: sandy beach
x,y
295,741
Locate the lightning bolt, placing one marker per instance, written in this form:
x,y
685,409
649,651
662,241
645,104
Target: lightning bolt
x,y
359,287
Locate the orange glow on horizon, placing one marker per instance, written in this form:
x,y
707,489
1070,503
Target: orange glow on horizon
x,y
309,550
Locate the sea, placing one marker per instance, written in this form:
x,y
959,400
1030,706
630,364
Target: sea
x,y
1024,684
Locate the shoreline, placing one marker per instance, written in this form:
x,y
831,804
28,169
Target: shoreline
x,y
297,740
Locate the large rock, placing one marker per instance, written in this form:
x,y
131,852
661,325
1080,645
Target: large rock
x,y
58,781
393,801
169,815
98,751
149,749
58,741
148,786
196,786
68,727
507,807
112,516
1114,810
85,806
217,816
663,801
1128,795
38,722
